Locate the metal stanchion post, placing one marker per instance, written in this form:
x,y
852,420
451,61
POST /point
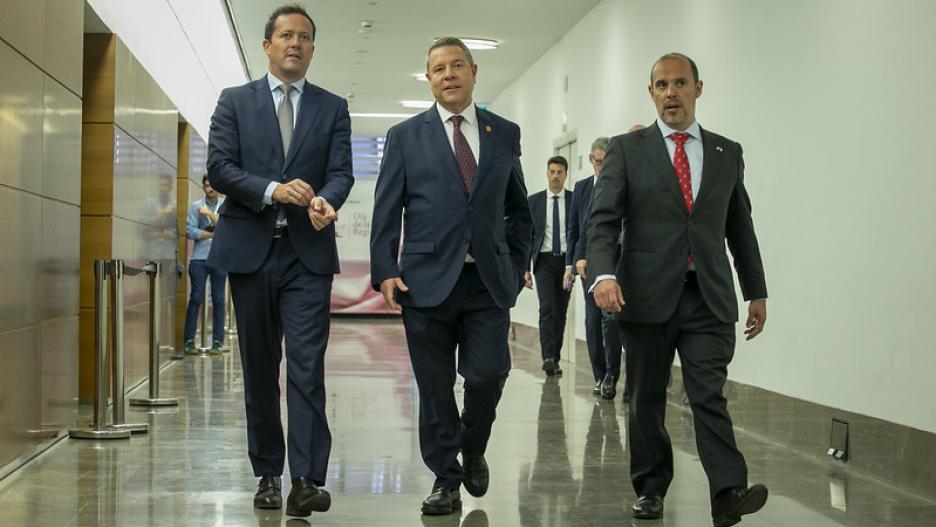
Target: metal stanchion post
x,y
204,348
153,271
229,305
99,430
117,337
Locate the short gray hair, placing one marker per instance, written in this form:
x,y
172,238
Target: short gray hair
x,y
600,144
442,42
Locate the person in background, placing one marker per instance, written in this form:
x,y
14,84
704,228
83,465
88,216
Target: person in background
x,y
199,227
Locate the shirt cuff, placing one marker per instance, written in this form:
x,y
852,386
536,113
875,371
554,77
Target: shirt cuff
x,y
599,279
268,194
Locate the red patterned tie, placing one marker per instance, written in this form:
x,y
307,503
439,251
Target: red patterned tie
x,y
466,160
683,175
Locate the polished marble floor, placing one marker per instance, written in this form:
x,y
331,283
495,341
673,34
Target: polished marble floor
x,y
558,458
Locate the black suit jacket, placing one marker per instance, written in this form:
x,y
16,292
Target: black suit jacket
x,y
540,208
245,153
638,184
420,187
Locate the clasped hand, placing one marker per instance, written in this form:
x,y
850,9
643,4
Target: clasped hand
x,y
298,192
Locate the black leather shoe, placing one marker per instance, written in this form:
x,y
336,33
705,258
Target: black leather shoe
x,y
731,504
442,501
269,495
477,475
551,367
609,387
306,497
596,390
648,508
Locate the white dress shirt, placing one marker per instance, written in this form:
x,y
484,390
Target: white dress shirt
x,y
469,128
547,235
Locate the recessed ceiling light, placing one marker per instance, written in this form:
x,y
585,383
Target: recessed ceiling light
x,y
383,115
417,104
480,43
420,77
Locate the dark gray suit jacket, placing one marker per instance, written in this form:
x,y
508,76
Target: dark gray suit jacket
x,y
638,184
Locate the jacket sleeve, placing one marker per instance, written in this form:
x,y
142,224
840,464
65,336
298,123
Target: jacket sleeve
x,y
519,219
742,241
572,227
224,158
609,207
339,175
388,213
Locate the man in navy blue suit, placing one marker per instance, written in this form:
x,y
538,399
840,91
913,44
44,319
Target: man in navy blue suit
x,y
601,332
280,149
454,172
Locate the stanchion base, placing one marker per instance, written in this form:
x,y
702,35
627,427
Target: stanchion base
x,y
107,433
133,428
202,351
159,401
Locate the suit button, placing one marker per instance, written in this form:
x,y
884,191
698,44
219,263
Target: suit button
x,y
470,209
689,223
685,252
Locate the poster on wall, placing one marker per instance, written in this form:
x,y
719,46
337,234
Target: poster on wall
x,y
352,292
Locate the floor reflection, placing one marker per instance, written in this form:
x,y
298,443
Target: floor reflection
x,y
558,457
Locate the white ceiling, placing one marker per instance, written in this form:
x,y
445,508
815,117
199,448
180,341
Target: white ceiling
x,y
375,69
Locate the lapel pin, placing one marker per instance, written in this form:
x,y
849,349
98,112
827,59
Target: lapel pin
x,y
487,128
719,148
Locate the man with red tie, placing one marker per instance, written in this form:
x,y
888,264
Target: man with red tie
x,y
451,179
680,191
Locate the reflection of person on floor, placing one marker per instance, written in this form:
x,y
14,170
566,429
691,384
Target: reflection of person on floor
x,y
548,496
604,461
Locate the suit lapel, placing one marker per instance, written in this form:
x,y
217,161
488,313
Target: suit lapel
x,y
439,146
310,105
487,145
264,100
655,149
711,163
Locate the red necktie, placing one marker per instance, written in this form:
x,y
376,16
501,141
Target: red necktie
x,y
466,160
683,175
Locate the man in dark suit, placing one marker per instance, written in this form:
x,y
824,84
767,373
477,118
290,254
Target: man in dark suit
x,y
601,332
680,190
454,171
550,210
279,147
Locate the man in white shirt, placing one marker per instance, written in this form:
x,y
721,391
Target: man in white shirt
x,y
550,210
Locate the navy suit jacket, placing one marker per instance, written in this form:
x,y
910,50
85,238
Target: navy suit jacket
x,y
420,187
577,221
540,209
245,153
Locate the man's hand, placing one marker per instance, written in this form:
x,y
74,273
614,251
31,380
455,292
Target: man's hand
x,y
203,211
296,192
608,295
580,269
527,280
321,213
756,318
389,287
568,279
206,235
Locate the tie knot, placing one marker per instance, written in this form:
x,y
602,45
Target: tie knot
x,y
555,198
457,120
679,138
285,89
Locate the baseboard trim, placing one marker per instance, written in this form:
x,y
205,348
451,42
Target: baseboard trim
x,y
895,454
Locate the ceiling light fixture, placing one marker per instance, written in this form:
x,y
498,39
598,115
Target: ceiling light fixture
x,y
420,77
417,104
480,43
